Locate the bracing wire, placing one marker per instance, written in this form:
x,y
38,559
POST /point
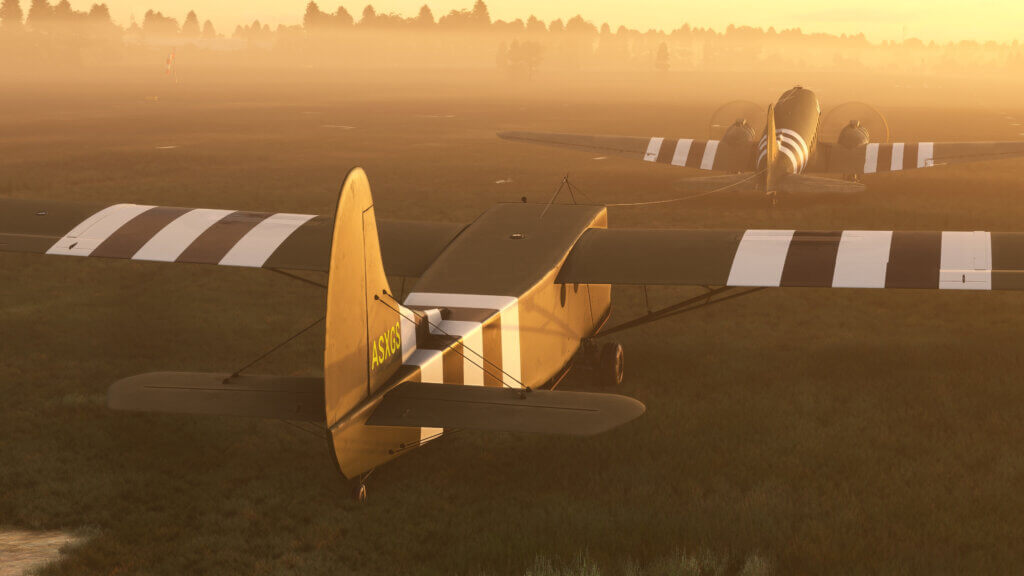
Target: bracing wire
x,y
407,446
464,347
690,197
238,372
297,277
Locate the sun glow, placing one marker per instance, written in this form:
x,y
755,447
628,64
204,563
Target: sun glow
x,y
879,20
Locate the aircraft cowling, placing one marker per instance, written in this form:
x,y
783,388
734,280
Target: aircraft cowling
x,y
854,135
739,133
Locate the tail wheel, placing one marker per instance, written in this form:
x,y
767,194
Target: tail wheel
x,y
359,486
359,492
611,364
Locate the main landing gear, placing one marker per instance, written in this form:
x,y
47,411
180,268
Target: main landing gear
x,y
611,367
606,362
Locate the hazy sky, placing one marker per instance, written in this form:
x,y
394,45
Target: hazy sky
x,y
939,20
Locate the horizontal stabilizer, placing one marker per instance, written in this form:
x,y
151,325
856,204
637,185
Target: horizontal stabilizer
x,y
800,184
278,397
416,404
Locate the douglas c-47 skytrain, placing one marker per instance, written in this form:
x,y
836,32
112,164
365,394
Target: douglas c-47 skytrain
x,y
502,309
784,162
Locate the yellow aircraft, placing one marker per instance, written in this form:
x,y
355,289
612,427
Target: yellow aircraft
x,y
502,309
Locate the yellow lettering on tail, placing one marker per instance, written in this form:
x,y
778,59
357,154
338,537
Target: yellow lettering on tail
x,y
386,346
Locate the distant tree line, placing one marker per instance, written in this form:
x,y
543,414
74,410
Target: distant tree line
x,y
472,38
43,17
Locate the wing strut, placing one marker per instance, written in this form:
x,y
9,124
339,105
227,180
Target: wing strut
x,y
712,296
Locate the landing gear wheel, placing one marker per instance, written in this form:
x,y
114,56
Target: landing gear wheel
x,y
359,487
611,365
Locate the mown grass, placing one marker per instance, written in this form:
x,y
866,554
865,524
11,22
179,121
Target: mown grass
x,y
701,563
802,431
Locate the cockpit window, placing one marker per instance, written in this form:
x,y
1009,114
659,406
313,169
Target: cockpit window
x,y
789,93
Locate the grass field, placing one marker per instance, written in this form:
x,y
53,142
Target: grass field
x,y
790,432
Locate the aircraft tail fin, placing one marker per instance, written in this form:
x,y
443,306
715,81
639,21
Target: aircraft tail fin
x,y
772,151
363,342
363,348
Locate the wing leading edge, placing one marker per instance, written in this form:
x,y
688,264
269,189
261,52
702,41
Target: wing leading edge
x,y
793,258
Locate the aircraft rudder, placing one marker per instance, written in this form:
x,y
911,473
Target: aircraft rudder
x,y
771,150
363,329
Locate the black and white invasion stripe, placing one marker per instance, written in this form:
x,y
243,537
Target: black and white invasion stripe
x,y
791,144
164,234
470,339
684,152
898,156
869,259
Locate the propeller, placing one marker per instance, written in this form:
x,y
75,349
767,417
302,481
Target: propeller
x,y
855,115
730,113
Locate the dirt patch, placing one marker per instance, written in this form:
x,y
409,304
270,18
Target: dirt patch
x,y
22,550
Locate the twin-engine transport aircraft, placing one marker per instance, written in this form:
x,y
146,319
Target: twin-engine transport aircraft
x,y
784,162
503,307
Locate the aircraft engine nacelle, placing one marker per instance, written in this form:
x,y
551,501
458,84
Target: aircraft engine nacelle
x,y
740,132
854,135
